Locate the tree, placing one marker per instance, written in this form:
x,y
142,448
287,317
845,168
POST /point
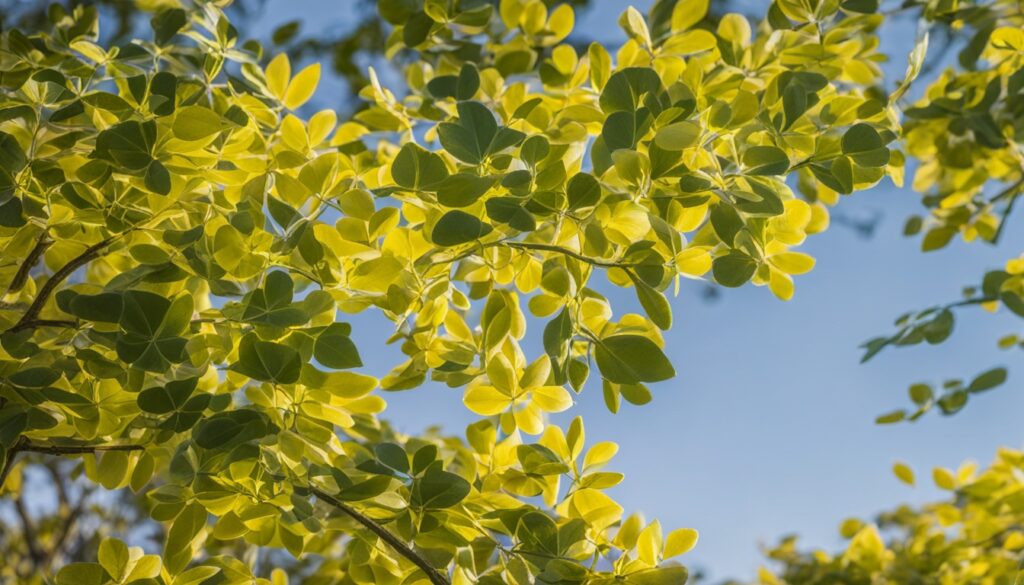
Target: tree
x,y
179,238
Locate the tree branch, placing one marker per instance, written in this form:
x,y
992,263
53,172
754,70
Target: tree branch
x,y
23,445
21,276
29,319
393,541
533,246
28,530
1013,192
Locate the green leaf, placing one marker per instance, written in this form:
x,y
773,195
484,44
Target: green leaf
x,y
82,574
225,430
678,136
417,168
267,361
510,210
157,179
169,397
865,146
458,227
765,160
470,138
583,190
128,145
463,189
335,349
654,303
38,377
626,89
733,269
630,359
659,576
987,380
439,489
726,222
468,82
166,24
196,123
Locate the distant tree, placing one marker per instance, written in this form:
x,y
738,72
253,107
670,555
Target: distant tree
x,y
178,242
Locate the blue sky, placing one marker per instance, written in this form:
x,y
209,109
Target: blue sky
x,y
768,429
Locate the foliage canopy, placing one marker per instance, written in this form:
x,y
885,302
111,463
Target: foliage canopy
x,y
180,235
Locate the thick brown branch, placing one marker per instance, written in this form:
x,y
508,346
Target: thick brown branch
x,y
24,446
393,541
31,315
76,449
21,276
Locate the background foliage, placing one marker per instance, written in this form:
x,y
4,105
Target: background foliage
x,y
182,237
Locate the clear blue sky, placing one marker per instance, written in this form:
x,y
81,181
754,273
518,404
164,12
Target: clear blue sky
x,y
768,429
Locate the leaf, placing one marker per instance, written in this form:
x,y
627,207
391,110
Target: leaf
x,y
687,13
765,160
903,472
267,361
439,489
733,269
583,190
626,89
82,574
654,303
510,210
128,145
224,430
680,542
486,400
865,146
678,136
463,189
417,168
469,139
195,123
987,380
629,359
302,86
157,179
335,349
166,24
458,227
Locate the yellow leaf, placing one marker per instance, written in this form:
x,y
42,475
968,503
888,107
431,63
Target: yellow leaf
x,y
486,400
944,478
781,284
279,71
648,546
302,87
530,420
552,398
688,13
793,262
680,542
600,453
904,473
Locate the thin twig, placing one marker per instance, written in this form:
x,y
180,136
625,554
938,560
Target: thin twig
x,y
28,529
54,281
393,541
21,276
